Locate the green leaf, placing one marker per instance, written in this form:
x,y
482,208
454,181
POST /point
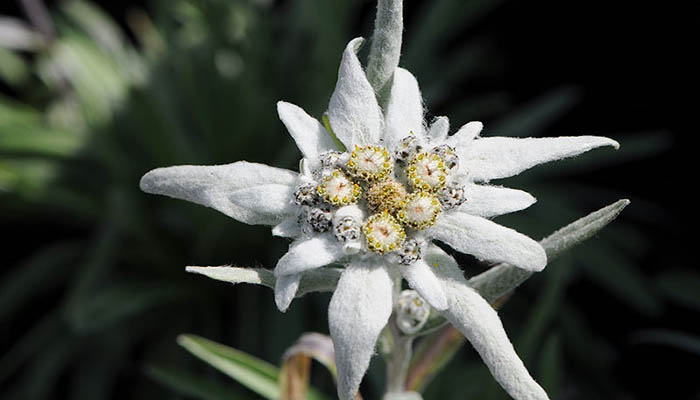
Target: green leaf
x,y
535,116
14,70
550,365
253,373
192,385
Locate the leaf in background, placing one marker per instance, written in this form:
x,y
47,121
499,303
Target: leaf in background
x,y
679,340
188,384
18,35
533,117
681,287
14,70
253,373
551,364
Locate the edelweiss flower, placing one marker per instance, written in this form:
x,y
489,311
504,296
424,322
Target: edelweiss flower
x,y
376,205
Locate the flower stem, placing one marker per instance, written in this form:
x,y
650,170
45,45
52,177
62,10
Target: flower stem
x,y
398,359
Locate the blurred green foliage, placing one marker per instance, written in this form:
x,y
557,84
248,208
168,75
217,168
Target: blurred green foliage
x,y
96,307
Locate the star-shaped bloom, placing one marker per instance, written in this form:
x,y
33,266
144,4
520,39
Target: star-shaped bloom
x,y
376,204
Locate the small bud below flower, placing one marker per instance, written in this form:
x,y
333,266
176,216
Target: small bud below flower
x,y
412,312
305,195
319,218
452,196
346,230
407,148
448,155
409,253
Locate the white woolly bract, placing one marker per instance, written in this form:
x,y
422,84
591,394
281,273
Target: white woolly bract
x,y
310,136
307,254
359,310
285,289
491,201
248,192
500,157
488,241
439,129
353,112
404,113
421,277
479,323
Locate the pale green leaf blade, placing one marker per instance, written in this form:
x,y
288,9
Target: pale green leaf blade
x,y
253,373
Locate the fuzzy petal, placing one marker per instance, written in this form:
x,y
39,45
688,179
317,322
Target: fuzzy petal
x,y
249,192
488,241
479,323
359,310
439,129
285,289
464,136
501,157
353,112
421,278
490,201
308,254
288,228
404,113
310,136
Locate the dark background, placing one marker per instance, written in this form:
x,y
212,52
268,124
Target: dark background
x,y
619,69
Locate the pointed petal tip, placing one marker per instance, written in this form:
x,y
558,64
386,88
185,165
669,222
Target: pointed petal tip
x,y
146,181
624,202
356,43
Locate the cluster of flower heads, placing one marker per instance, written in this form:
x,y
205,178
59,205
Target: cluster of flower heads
x,y
401,194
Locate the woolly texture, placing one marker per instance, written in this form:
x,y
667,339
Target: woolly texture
x,y
488,241
422,279
310,136
491,201
386,46
319,280
503,278
501,157
248,192
464,136
404,113
285,289
304,255
359,310
353,111
288,228
479,323
439,129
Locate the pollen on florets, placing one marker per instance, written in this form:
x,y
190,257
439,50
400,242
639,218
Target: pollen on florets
x,y
408,253
408,147
337,189
452,196
420,210
386,195
427,172
370,163
305,195
448,155
383,233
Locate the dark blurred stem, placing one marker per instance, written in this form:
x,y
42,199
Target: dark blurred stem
x,y
432,354
39,16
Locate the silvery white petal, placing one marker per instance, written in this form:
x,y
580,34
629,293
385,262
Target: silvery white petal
x,y
308,254
490,201
487,240
439,129
285,289
359,310
289,228
479,323
501,157
249,192
311,137
421,278
404,113
386,47
464,136
353,112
